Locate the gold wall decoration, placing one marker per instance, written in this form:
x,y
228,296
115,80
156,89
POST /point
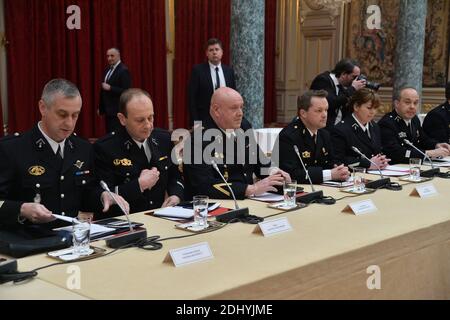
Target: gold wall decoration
x,y
375,49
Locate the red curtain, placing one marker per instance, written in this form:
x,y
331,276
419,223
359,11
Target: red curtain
x,y
270,108
41,47
195,22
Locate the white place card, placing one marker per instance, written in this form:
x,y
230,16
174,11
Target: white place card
x,y
361,207
424,191
271,227
190,254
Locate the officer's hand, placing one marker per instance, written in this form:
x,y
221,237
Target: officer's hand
x,y
171,201
340,173
265,185
276,170
108,202
36,213
438,152
381,160
443,145
148,178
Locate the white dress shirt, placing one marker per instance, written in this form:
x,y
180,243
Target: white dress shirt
x,y
336,84
212,68
365,128
53,144
111,71
326,174
147,151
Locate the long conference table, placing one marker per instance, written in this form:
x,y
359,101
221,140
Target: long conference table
x,y
329,254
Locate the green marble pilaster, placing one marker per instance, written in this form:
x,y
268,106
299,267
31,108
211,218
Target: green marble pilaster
x,y
409,51
247,55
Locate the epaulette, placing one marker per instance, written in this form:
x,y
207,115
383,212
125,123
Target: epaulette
x,y
107,137
10,137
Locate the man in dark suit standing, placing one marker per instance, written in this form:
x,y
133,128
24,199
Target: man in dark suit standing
x,y
116,79
437,121
205,79
340,84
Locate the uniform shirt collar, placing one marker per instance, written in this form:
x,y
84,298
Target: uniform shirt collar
x,y
230,133
53,144
139,144
364,128
213,67
147,151
312,133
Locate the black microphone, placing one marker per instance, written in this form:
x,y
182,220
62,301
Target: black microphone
x,y
427,173
377,183
313,195
132,236
237,213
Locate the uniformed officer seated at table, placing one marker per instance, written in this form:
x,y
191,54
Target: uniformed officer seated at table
x,y
402,123
437,121
49,170
227,139
313,143
136,159
359,130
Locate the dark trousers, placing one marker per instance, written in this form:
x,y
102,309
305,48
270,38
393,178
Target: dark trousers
x,y
112,123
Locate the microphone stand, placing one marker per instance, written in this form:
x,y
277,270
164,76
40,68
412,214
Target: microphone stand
x,y
106,188
313,195
129,237
237,213
427,173
377,183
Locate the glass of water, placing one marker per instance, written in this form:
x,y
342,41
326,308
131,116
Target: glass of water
x,y
290,191
358,179
81,235
414,168
200,204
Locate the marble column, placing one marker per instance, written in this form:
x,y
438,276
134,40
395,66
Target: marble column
x,y
247,56
409,51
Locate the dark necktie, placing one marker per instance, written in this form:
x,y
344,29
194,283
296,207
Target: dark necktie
x,y
109,73
143,152
409,128
217,79
59,158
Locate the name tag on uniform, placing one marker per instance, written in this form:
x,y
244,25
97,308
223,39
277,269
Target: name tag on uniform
x,y
189,255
